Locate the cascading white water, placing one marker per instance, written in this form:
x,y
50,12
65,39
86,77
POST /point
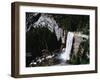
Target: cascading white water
x,y
69,41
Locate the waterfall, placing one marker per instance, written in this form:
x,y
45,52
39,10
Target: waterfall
x,y
69,41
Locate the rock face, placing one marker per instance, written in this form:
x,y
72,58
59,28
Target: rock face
x,y
48,21
81,42
78,39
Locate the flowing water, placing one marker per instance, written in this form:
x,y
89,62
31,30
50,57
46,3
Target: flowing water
x,y
65,55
